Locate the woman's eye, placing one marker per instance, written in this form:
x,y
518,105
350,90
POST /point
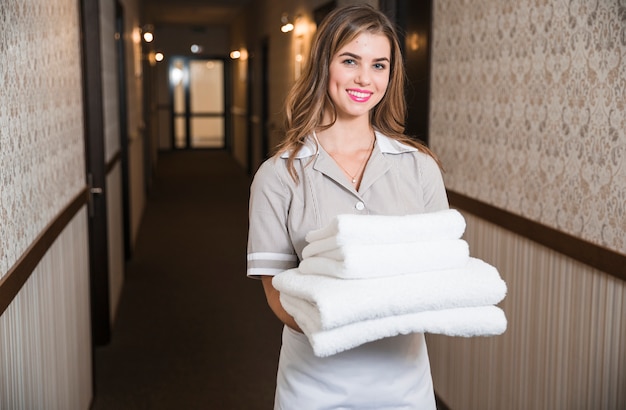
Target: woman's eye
x,y
380,66
349,61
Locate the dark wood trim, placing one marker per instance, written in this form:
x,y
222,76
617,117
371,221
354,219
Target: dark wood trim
x,y
122,75
415,17
113,162
16,277
596,256
95,166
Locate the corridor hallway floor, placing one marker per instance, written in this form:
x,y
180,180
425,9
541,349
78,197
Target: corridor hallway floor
x,y
191,331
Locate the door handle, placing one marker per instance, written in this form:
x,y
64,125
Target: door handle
x,y
93,191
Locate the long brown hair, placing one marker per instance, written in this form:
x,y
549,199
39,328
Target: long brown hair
x,y
308,99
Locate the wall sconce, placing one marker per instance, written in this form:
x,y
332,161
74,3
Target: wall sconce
x,y
414,41
154,57
239,54
285,25
148,33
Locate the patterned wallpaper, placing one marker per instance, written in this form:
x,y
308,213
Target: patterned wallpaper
x,y
529,110
41,119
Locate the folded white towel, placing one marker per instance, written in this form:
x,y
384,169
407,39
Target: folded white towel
x,y
363,229
466,322
339,302
378,260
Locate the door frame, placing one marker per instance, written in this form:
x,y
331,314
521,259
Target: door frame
x,y
227,92
95,172
123,126
415,17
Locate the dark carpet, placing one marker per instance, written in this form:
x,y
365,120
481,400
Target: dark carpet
x,y
191,332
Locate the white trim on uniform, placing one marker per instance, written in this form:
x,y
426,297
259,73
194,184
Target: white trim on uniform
x,y
264,271
272,256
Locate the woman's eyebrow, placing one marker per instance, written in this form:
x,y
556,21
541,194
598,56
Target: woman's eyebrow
x,y
357,57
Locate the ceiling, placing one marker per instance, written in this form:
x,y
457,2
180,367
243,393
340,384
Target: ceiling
x,y
191,12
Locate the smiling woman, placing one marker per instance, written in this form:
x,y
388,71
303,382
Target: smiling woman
x,y
358,80
345,152
359,73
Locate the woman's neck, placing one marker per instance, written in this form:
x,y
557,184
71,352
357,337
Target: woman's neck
x,y
346,137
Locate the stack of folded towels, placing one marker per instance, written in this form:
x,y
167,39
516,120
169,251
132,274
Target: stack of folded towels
x,y
367,277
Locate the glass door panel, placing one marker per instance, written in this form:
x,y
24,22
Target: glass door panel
x,y
207,132
179,89
206,100
206,86
180,132
198,103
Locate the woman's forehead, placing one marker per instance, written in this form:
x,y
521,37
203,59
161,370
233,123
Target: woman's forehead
x,y
367,41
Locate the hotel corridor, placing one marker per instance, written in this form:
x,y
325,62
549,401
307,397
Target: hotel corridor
x,y
191,331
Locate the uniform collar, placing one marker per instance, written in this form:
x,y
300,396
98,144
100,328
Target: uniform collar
x,y
377,166
385,144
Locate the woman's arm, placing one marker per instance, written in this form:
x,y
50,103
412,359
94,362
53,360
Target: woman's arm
x,y
435,196
273,299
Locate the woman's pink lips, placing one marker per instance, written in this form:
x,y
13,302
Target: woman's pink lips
x,y
359,95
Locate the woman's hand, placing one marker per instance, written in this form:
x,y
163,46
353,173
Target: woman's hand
x,y
273,299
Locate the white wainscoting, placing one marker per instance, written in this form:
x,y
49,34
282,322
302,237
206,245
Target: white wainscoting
x,y
564,346
45,336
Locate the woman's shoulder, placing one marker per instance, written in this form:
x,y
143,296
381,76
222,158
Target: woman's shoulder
x,y
278,164
271,168
308,149
389,145
276,167
270,178
403,151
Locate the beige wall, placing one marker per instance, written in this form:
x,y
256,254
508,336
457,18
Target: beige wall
x,y
41,119
45,341
527,114
563,348
528,111
45,335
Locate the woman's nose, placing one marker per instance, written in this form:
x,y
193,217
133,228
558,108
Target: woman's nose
x,y
363,78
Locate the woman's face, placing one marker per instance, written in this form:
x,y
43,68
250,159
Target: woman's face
x,y
359,74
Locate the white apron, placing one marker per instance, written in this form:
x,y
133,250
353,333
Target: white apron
x,y
392,373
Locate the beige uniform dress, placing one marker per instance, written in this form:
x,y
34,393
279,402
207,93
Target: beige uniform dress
x,y
392,373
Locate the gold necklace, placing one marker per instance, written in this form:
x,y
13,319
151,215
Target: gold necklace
x,y
354,177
